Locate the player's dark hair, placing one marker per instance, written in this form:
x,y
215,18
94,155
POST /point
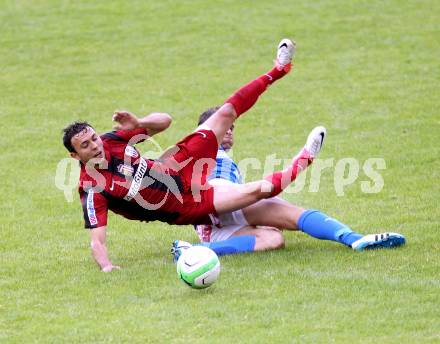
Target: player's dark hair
x,y
208,113
70,131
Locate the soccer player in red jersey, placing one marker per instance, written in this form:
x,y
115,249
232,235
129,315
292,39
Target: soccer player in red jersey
x,y
173,189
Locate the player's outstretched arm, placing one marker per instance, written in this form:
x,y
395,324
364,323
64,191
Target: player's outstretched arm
x,y
154,122
99,249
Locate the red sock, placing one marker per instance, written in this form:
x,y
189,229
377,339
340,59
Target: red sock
x,y
282,179
246,96
274,74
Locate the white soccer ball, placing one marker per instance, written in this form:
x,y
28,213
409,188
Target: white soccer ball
x,y
198,267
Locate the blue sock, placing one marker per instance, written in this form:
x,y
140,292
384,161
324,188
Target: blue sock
x,y
321,226
234,245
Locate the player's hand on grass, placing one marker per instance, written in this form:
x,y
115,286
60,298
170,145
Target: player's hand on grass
x,y
126,120
110,268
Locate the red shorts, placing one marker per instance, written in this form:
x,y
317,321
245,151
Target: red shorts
x,y
196,158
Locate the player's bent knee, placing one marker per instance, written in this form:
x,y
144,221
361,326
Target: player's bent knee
x,y
277,240
270,240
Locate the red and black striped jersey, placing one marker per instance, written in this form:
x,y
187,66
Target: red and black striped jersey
x,y
137,188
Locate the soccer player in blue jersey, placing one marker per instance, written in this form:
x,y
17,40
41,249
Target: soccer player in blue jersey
x,y
236,235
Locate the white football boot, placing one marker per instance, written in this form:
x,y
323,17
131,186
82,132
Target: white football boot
x,y
381,240
285,52
315,141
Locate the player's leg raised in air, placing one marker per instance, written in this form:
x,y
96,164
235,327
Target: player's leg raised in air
x,y
239,196
244,98
235,197
202,147
231,197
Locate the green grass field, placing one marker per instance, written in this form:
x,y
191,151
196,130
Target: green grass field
x,y
367,70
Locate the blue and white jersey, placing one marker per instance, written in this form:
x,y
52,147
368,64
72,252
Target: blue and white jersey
x,y
226,168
